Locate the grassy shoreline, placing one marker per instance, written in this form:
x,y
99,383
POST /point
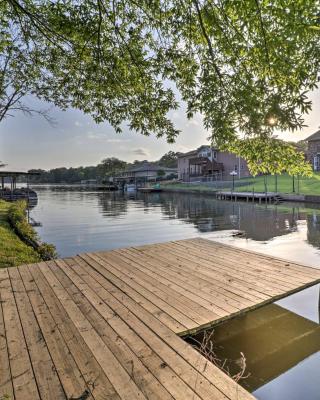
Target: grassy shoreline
x,y
282,184
13,251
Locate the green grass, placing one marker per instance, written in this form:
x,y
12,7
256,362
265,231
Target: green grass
x,y
186,187
309,186
13,251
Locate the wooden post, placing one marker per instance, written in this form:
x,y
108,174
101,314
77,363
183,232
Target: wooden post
x,y
293,186
11,187
319,306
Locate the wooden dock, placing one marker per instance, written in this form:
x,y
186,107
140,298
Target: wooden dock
x,y
149,190
107,325
268,197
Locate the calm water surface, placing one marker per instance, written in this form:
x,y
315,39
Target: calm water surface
x,y
89,221
281,346
281,342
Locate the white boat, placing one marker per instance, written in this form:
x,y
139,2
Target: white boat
x,y
130,187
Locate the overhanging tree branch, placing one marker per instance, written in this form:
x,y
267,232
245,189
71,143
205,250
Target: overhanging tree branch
x,y
118,61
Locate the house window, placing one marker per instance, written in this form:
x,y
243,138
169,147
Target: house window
x,y
236,167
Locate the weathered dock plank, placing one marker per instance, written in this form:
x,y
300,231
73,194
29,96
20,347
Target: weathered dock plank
x,y
76,367
48,383
23,379
107,325
5,372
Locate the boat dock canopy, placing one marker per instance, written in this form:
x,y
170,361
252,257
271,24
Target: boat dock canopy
x,y
107,325
13,175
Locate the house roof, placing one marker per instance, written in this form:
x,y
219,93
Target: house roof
x,y
314,136
195,152
189,153
151,167
6,174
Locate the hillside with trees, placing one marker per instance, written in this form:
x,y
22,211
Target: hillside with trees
x,y
102,172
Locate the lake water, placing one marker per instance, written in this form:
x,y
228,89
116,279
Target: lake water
x,y
90,221
281,342
281,346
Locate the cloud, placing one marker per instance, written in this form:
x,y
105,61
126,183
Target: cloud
x,y
118,140
193,122
183,149
141,152
103,137
78,123
94,135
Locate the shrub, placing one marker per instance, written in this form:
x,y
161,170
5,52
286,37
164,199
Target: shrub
x,y
18,221
47,251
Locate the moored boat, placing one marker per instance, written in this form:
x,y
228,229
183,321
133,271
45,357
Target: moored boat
x,y
130,187
19,194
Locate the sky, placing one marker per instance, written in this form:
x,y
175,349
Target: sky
x,y
75,139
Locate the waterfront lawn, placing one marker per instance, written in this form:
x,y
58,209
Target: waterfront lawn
x,y
308,186
12,250
188,186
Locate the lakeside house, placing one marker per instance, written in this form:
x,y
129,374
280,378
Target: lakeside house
x,y
207,163
145,173
313,152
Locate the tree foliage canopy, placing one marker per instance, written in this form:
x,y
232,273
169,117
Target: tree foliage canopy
x,y
271,156
169,160
111,166
245,65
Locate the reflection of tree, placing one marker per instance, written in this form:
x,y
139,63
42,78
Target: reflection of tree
x,y
64,194
207,215
267,222
112,204
258,222
313,235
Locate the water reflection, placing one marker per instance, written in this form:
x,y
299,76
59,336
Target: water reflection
x,y
89,221
313,221
258,222
281,345
112,205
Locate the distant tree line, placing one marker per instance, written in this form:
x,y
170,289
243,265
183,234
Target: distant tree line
x,y
102,172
